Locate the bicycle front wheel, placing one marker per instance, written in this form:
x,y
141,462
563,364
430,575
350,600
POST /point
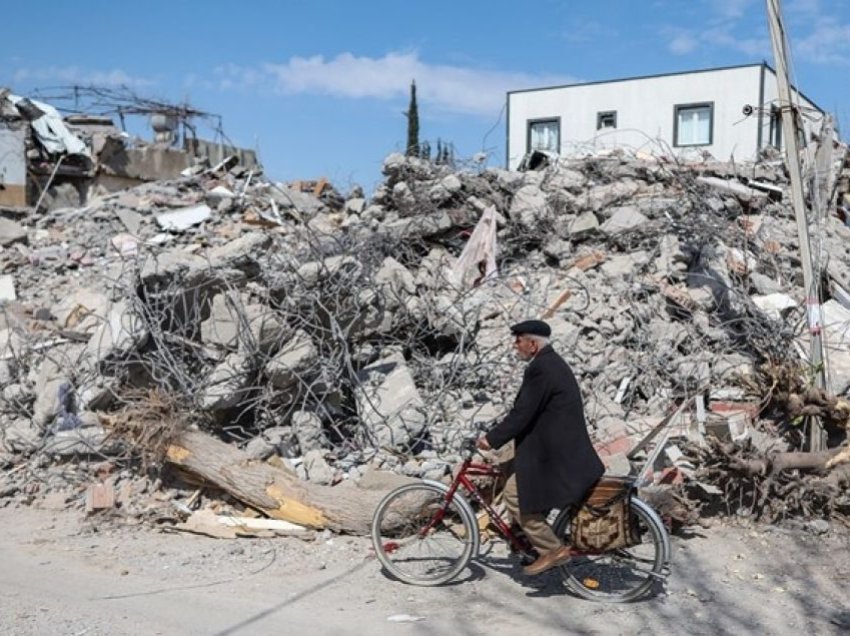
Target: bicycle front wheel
x,y
620,575
419,537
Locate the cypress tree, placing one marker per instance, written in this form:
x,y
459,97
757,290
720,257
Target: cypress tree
x,y
412,123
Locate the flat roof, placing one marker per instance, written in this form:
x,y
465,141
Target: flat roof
x,y
642,77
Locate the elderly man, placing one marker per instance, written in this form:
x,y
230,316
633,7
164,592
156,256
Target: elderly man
x,y
555,463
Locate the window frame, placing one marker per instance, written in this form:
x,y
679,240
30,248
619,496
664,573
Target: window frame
x,y
541,120
604,113
677,108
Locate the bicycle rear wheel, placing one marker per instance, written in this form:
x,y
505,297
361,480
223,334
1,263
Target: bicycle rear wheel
x,y
621,575
421,539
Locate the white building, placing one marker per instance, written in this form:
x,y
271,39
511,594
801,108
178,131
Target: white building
x,y
726,112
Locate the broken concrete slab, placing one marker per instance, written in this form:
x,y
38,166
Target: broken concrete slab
x,y
11,232
623,219
735,188
85,440
403,196
308,430
774,305
7,289
184,218
603,196
316,468
20,435
445,189
312,272
389,404
394,282
424,226
292,362
582,226
562,178
126,245
121,332
355,206
228,384
131,219
82,310
529,206
623,265
241,253
237,323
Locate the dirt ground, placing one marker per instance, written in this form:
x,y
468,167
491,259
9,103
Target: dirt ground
x,y
63,574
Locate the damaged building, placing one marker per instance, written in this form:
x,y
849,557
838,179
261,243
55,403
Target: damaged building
x,y
50,161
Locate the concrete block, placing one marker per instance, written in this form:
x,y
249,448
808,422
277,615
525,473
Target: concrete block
x,y
584,225
11,232
566,179
184,218
308,430
394,283
317,468
294,360
389,403
529,206
623,219
603,196
228,384
121,332
241,253
7,288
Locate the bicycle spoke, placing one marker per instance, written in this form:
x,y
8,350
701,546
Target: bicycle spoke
x,y
412,545
624,574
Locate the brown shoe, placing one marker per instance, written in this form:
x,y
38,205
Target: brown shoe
x,y
548,560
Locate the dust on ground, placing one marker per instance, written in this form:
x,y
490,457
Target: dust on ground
x,y
66,574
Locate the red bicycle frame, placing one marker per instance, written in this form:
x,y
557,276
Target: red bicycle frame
x,y
473,469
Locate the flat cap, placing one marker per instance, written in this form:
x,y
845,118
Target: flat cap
x,y
532,328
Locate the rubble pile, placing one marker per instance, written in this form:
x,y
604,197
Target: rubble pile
x,y
342,334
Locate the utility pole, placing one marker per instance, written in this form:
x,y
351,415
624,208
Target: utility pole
x,y
788,110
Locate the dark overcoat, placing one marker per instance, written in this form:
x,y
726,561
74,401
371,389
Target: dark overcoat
x,y
555,461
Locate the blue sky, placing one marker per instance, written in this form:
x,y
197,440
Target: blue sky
x,y
319,87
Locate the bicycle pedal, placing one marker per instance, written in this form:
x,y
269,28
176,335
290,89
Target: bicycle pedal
x,y
527,558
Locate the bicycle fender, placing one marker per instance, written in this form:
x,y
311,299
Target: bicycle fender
x,y
467,508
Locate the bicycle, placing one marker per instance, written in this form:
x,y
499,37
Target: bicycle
x,y
426,533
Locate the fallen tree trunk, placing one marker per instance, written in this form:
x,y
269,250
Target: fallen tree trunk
x,y
277,492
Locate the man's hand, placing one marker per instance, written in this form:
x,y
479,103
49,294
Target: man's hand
x,y
483,444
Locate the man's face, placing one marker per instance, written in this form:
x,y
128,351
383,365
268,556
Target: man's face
x,y
525,347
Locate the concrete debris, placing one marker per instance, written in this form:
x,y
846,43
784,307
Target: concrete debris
x,y
623,219
739,190
11,232
184,218
293,362
340,335
7,288
390,404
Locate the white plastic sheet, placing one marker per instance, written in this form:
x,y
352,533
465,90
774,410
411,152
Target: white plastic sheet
x,y
477,261
51,131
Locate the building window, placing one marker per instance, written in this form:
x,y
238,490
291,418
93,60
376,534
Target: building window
x,y
544,134
606,119
693,124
